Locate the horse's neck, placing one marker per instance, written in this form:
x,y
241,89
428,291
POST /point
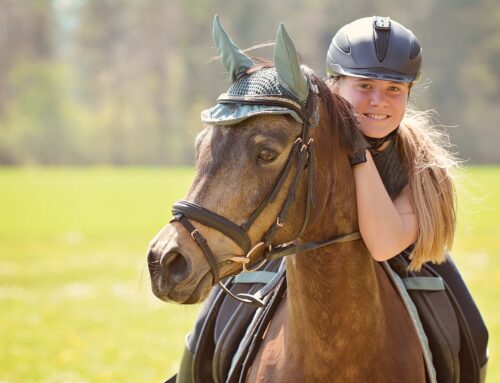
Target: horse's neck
x,y
333,304
333,298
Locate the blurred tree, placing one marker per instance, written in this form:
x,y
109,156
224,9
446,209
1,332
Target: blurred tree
x,y
43,123
25,34
107,81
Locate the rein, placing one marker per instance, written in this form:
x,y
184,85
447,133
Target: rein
x,y
302,150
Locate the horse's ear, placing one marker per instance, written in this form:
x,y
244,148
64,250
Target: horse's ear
x,y
234,60
287,65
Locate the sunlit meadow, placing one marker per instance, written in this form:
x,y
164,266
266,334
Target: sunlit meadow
x,y
74,287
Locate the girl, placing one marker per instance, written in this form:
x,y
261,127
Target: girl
x,y
405,191
404,188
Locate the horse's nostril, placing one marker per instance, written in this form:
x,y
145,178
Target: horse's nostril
x,y
174,266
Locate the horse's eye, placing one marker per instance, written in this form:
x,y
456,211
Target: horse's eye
x,y
267,155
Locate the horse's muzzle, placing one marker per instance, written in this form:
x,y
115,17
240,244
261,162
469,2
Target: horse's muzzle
x,y
172,276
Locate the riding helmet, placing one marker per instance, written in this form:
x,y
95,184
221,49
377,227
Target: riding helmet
x,y
375,47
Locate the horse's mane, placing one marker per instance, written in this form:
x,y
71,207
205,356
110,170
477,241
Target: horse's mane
x,y
340,116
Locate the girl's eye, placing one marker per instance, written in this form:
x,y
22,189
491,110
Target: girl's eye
x,y
267,155
394,89
365,86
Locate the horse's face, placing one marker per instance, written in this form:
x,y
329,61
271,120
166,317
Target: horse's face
x,y
236,168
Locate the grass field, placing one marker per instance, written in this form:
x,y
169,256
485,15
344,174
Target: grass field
x,y
74,286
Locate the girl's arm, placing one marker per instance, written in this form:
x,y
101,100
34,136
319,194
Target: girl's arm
x,y
387,227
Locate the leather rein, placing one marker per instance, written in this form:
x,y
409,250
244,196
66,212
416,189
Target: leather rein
x,y
302,153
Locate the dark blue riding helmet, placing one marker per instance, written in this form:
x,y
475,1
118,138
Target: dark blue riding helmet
x,y
375,47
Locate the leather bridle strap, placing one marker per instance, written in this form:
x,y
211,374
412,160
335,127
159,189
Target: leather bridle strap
x,y
276,187
202,242
269,235
215,221
305,161
279,252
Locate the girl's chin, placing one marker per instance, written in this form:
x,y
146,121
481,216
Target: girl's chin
x,y
376,132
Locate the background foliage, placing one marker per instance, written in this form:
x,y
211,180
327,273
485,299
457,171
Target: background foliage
x,y
115,82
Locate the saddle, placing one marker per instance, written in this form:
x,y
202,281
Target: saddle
x,y
227,333
457,334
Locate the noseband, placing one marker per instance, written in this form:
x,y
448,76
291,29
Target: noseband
x,y
302,149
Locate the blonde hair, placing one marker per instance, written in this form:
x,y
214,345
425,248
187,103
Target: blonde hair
x,y
424,151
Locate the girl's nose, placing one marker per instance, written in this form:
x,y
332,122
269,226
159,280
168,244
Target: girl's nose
x,y
378,98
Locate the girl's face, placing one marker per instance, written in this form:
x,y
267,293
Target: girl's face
x,y
380,104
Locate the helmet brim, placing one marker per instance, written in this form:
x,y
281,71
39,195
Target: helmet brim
x,y
372,73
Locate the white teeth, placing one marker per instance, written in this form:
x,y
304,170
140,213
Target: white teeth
x,y
376,116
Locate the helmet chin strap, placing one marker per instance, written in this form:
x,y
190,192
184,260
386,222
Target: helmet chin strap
x,y
376,143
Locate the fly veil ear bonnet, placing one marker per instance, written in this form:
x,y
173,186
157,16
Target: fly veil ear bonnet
x,y
280,90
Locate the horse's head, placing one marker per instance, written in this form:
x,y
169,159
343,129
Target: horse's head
x,y
254,185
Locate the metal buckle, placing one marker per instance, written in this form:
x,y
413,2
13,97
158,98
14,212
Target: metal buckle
x,y
262,263
193,233
278,222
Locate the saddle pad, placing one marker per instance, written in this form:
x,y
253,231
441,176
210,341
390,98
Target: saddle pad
x,y
412,311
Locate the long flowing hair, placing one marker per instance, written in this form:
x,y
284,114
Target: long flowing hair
x,y
424,149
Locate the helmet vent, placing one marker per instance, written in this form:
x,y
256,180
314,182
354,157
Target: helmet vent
x,y
381,37
342,42
415,49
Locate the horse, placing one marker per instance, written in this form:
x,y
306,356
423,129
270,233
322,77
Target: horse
x,y
261,190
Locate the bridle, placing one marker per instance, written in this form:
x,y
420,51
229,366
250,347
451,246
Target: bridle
x,y
301,153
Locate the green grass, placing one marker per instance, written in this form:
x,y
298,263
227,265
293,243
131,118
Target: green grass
x,y
74,286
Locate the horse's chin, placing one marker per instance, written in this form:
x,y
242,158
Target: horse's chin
x,y
192,293
201,290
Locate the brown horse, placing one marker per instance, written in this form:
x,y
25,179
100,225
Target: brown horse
x,y
341,320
